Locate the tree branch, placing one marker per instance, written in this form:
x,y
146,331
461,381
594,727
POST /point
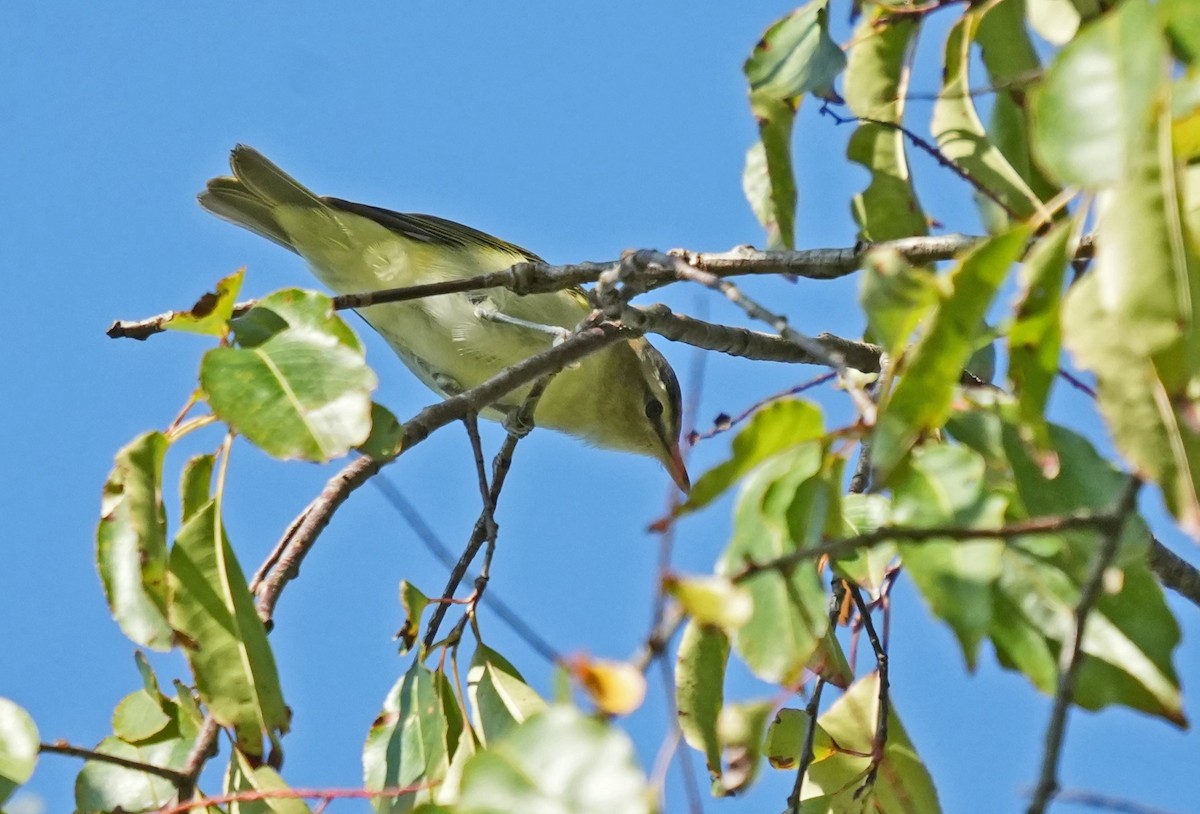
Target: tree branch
x,y
540,278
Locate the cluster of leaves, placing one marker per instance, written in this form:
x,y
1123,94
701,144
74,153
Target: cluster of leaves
x,y
995,514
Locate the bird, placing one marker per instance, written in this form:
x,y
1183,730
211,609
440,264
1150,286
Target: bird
x,y
624,397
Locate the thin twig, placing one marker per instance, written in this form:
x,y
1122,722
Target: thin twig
x,y
724,423
835,549
806,747
61,747
879,744
1072,647
934,152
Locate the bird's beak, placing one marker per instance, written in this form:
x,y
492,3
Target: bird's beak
x,y
678,469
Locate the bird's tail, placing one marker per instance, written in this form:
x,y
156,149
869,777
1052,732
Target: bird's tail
x,y
249,198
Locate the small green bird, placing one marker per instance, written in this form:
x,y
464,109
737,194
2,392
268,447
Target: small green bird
x,y
624,397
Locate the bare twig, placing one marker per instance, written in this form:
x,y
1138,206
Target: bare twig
x,y
881,659
61,747
934,152
806,747
724,423
1072,647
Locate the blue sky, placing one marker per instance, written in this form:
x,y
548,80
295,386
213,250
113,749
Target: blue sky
x,y
577,131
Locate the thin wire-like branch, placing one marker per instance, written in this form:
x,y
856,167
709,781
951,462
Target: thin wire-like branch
x,y
522,629
1072,648
61,747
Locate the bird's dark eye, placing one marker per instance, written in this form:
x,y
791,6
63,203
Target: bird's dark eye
x,y
654,409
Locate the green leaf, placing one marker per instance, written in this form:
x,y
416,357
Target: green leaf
x,y
558,761
876,86
195,485
902,783
387,434
500,698
1131,634
297,385
18,747
212,312
1093,139
131,542
862,513
921,401
942,485
224,640
1056,21
742,729
1131,320
785,740
699,689
414,603
408,743
790,615
242,776
105,787
139,716
711,600
1035,338
961,137
897,297
795,56
1012,65
778,426
1181,19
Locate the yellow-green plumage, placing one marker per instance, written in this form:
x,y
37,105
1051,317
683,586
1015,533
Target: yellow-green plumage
x,y
624,397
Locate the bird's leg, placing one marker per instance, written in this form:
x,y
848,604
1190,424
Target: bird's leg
x,y
488,311
516,424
